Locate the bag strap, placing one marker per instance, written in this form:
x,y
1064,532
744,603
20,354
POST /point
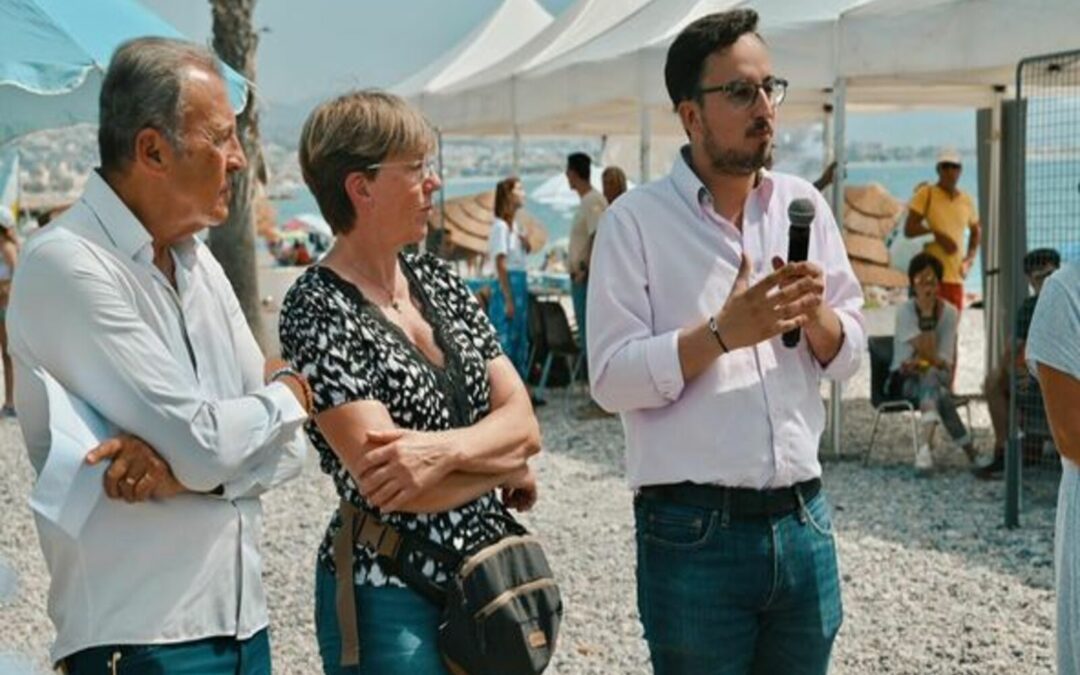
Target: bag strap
x,y
345,595
394,547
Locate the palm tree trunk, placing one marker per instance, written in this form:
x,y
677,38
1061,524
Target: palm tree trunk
x,y
233,242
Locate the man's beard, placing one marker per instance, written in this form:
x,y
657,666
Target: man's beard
x,y
737,162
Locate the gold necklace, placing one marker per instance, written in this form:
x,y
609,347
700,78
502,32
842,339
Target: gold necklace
x,y
389,294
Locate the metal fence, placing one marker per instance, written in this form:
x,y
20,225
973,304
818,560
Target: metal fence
x,y
1045,227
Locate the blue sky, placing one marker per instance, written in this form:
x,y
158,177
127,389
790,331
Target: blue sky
x,y
314,48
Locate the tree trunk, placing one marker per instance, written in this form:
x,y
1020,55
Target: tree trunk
x,y
233,242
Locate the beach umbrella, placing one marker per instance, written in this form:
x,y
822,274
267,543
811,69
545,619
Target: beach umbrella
x,y
310,223
53,56
555,191
468,223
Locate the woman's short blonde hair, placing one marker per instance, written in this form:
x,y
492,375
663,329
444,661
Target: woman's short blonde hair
x,y
350,133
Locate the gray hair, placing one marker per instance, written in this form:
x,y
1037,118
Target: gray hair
x,y
143,87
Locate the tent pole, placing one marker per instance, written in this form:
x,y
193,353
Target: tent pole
x,y
516,162
992,237
827,135
645,122
645,144
839,116
442,193
515,165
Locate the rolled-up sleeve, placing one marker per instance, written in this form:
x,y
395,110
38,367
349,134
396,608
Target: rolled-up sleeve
x,y
265,470
79,321
843,294
629,367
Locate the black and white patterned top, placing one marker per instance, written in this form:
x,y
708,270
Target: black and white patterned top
x,y
349,351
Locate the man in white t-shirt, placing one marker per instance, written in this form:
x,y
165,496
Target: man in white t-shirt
x,y
582,234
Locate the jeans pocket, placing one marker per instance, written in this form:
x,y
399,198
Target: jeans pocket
x,y
819,516
138,658
327,631
674,526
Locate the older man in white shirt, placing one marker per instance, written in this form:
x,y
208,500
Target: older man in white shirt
x,y
119,303
688,298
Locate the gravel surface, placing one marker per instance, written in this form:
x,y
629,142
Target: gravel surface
x,y
932,581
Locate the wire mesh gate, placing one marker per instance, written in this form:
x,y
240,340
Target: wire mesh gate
x,y
1045,230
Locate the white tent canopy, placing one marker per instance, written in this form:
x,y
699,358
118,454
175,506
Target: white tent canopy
x,y
513,24
562,83
600,65
627,61
486,102
952,42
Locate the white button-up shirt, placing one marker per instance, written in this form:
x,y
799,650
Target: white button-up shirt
x,y
180,369
664,261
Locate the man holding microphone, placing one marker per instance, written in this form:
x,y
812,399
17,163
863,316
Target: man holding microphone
x,y
688,299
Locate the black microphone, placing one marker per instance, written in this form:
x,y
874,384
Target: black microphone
x,y
801,213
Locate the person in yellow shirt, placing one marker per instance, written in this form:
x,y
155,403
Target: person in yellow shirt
x,y
945,211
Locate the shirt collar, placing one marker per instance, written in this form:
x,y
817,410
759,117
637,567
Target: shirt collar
x,y
697,196
124,229
120,224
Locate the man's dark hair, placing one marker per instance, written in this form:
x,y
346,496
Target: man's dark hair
x,y
1040,257
920,262
579,163
687,54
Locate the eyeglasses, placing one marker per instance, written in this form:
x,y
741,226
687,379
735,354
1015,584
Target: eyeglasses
x,y
928,279
743,94
949,165
419,169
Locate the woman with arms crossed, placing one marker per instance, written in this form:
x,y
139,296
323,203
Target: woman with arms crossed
x,y
419,416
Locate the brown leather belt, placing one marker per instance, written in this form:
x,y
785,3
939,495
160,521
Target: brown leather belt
x,y
735,502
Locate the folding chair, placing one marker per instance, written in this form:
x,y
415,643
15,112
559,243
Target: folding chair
x,y
537,341
881,355
560,341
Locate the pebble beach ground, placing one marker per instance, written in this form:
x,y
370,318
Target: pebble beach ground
x,y
933,582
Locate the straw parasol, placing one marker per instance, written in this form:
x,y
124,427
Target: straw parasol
x,y
468,223
870,215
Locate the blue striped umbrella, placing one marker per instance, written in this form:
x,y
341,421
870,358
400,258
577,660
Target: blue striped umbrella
x,y
53,56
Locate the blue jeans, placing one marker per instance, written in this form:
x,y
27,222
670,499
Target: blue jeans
x,y
211,656
721,596
578,294
930,391
398,630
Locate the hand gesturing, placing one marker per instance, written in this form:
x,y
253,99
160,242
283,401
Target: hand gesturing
x,y
785,299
